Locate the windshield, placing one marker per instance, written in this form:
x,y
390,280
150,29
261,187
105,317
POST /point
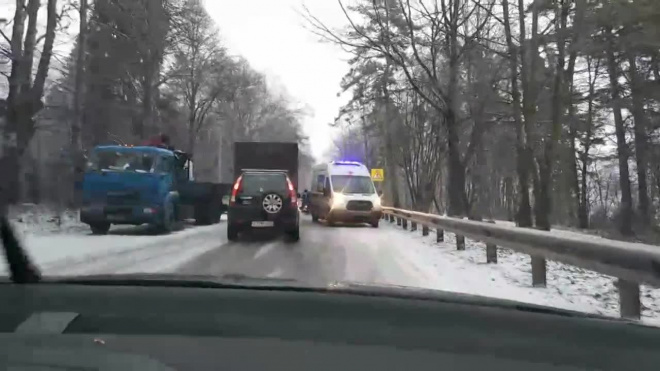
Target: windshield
x,y
352,184
475,126
139,162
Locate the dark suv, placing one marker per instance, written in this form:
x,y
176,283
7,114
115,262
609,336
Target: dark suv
x,y
263,199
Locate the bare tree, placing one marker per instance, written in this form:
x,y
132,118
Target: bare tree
x,y
24,99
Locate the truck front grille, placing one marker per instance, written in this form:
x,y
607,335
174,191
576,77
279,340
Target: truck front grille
x,y
359,205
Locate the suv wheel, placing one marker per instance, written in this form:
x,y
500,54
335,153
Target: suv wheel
x,y
272,203
100,228
294,235
232,232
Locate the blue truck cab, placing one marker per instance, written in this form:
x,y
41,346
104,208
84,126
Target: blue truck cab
x,y
143,185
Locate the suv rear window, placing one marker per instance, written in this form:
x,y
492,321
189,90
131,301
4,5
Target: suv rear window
x,y
257,183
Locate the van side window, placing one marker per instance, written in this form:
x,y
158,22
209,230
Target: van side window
x,y
319,182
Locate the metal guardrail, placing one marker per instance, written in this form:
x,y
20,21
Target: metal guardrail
x,y
631,263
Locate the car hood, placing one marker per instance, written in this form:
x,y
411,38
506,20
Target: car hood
x,y
238,281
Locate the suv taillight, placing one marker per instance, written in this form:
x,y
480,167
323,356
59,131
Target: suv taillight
x,y
235,189
292,192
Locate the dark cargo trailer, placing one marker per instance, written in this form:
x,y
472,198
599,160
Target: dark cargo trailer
x,y
268,156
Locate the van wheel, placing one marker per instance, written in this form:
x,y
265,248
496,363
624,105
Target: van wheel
x,y
375,223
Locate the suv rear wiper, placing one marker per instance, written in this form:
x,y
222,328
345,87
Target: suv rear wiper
x,y
21,269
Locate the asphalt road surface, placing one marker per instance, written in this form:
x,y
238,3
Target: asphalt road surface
x,y
324,254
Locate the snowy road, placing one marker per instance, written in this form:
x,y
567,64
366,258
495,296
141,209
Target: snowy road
x,y
323,255
387,255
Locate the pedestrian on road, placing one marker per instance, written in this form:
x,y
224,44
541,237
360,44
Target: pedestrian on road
x,y
305,198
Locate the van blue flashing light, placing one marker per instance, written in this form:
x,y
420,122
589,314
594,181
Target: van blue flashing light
x,y
354,163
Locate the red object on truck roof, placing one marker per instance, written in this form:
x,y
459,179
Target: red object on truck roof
x,y
161,140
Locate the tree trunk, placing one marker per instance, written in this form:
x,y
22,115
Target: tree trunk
x,y
24,97
456,177
626,215
76,128
523,214
390,165
641,140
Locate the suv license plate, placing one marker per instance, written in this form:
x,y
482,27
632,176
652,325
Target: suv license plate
x,y
115,217
263,224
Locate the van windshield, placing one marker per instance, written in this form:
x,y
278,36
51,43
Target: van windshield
x,y
350,184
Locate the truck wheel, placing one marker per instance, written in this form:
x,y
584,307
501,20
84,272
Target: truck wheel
x,y
202,215
169,218
100,228
232,232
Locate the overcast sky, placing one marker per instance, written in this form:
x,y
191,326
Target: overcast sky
x,y
270,35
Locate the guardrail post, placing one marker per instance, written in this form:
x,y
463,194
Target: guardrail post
x,y
538,272
629,304
439,235
398,221
413,226
491,249
425,230
460,242
404,223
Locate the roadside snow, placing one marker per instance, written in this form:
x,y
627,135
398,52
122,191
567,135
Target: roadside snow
x,y
441,266
41,219
561,231
60,245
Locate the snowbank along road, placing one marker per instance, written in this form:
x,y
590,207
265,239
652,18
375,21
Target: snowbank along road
x,y
387,255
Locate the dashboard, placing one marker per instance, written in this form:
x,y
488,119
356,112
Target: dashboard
x,y
50,326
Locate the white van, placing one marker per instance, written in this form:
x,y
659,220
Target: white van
x,y
342,191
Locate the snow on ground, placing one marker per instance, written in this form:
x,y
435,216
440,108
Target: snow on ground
x,y
561,231
40,219
441,266
60,245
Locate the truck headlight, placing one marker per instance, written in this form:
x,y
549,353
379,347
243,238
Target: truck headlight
x,y
338,200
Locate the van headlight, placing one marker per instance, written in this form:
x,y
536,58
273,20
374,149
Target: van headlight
x,y
376,202
338,200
